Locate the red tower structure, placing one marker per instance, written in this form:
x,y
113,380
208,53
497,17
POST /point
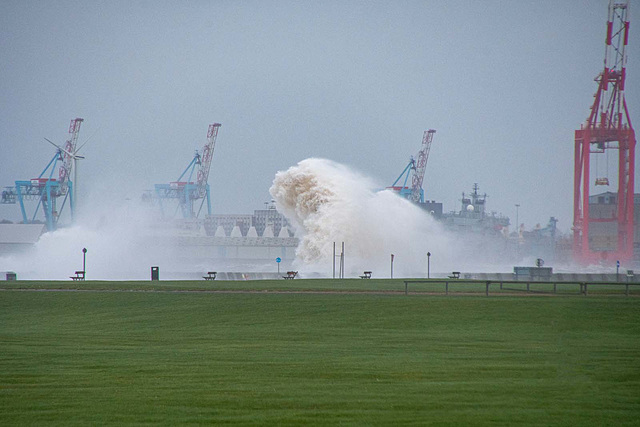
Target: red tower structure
x,y
608,127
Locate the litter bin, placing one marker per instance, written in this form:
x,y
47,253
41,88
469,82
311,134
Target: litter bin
x,y
11,275
155,273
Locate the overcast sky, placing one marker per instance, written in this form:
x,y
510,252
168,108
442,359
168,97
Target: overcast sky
x,y
504,83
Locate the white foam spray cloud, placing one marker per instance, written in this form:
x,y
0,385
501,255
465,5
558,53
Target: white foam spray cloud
x,y
328,202
117,242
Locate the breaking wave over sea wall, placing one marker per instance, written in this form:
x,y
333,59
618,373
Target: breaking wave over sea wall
x,y
329,202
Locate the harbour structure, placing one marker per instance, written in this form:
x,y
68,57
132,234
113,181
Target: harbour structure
x,y
184,190
52,184
603,233
17,238
607,128
229,241
266,222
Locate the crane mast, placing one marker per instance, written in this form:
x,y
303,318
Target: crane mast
x,y
420,167
608,127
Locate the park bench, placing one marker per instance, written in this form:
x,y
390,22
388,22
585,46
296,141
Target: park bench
x,y
211,275
366,275
79,275
290,275
455,275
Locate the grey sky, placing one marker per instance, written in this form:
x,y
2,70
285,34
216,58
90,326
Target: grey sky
x,y
504,83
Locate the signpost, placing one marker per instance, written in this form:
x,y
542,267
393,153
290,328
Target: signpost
x,y
278,261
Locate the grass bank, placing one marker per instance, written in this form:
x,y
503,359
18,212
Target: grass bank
x,y
330,285
104,357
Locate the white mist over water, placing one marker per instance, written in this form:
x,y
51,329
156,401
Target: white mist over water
x,y
328,202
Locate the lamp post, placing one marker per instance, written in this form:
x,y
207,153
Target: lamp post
x,y
517,231
428,265
84,261
392,266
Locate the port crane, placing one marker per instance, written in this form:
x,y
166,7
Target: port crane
x,y
186,191
47,188
608,127
415,170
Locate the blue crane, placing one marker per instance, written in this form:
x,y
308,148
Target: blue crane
x,y
186,191
45,189
415,170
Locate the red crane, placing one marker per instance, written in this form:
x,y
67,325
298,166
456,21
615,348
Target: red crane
x,y
608,127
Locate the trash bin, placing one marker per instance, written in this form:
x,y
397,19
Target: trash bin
x,y
155,273
11,275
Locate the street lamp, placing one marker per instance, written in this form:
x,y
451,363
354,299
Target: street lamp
x,y
517,231
84,261
392,266
428,265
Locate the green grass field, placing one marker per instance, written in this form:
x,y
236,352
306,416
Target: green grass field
x,y
264,358
336,285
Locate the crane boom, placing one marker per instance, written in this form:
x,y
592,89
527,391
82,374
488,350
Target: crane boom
x,y
421,166
205,159
67,154
187,191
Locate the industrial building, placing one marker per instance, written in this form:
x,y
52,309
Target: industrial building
x,y
266,223
603,232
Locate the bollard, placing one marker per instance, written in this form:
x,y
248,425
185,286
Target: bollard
x,y
446,288
487,291
554,288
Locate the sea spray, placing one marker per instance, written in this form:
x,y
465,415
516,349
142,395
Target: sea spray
x,y
328,202
118,248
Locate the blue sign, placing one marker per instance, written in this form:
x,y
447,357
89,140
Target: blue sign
x,y
278,260
617,263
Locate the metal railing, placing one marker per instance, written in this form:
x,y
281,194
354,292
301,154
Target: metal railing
x,y
583,287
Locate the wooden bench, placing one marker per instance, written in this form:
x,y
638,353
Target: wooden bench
x,y
455,275
290,275
211,275
366,275
79,275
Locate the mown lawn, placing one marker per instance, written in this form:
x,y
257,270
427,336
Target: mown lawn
x,y
336,285
154,357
